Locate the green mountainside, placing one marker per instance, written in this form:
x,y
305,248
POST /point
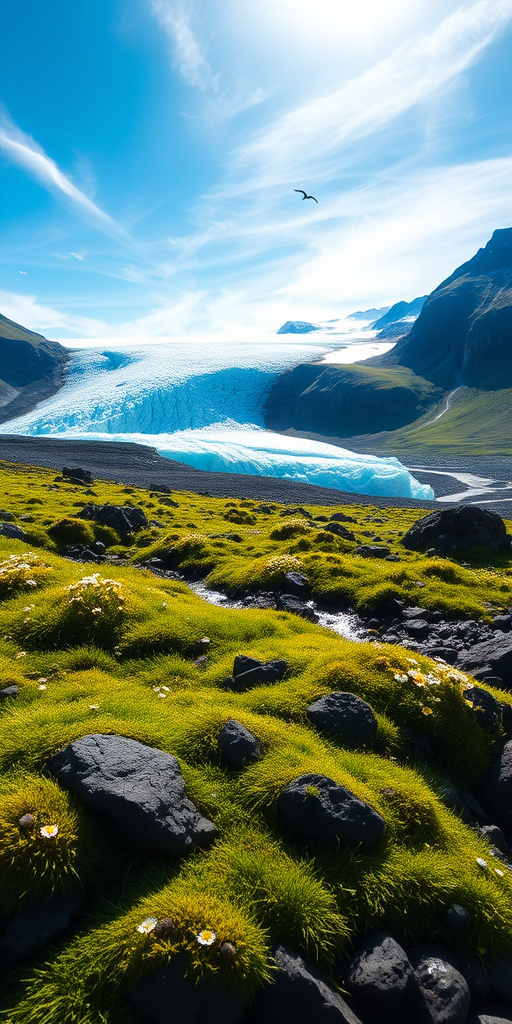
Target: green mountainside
x,y
348,400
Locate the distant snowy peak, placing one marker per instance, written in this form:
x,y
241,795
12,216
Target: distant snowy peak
x,y
298,327
369,314
400,311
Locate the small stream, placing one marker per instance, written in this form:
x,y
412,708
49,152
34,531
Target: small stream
x,y
346,624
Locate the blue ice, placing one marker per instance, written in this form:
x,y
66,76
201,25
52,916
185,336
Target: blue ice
x,y
201,401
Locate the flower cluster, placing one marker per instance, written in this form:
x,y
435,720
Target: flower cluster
x,y
283,564
22,571
444,674
94,595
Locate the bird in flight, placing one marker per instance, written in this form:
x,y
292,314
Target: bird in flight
x,y
305,195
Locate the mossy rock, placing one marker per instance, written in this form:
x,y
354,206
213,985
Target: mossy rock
x,y
69,531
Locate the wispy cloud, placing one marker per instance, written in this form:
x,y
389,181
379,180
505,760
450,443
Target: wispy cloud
x,y
311,140
68,255
26,310
189,58
24,151
401,238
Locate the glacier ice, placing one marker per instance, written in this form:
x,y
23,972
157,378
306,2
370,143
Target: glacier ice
x,y
201,402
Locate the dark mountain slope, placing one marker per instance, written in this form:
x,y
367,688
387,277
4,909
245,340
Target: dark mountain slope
x,y
463,335
31,368
462,339
347,400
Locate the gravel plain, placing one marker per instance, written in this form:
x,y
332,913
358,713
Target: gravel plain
x,y
140,465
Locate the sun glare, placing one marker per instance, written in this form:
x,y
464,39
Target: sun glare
x,y
340,18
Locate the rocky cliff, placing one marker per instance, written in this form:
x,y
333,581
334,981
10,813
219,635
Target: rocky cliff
x,y
463,333
31,368
462,338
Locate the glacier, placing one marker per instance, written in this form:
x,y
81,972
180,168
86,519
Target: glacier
x,y
200,400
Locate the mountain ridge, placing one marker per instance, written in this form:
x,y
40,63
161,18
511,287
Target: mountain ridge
x,y
460,340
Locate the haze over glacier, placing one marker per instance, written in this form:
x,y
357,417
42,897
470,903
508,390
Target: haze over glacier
x,y
185,397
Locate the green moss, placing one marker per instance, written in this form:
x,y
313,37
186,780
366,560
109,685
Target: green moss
x,y
130,669
69,531
34,863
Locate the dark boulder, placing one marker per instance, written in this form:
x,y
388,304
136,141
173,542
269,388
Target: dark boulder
x,y
340,517
169,996
491,658
487,708
315,809
381,975
293,605
12,531
503,622
238,746
415,612
443,996
495,838
345,715
372,551
456,529
299,995
124,519
298,583
339,530
139,789
418,629
262,600
9,691
81,476
35,927
249,672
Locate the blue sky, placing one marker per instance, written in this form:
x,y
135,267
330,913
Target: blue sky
x,y
149,152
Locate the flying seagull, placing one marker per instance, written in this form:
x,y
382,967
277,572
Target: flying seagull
x,y
305,195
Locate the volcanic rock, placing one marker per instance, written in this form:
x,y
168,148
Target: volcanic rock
x,y
492,657
381,975
372,551
81,476
456,529
487,708
238,746
249,672
139,789
316,809
299,995
122,518
13,531
443,996
293,605
345,715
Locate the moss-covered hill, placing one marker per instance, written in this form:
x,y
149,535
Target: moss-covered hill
x,y
114,649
